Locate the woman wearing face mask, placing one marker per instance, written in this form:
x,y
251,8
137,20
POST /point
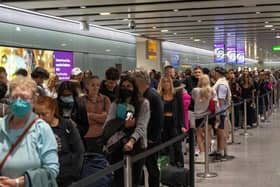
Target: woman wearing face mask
x,y
28,146
70,146
135,125
72,107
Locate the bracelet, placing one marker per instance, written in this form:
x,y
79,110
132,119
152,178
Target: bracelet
x,y
17,183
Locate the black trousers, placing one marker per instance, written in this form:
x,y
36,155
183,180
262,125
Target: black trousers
x,y
175,151
117,156
152,167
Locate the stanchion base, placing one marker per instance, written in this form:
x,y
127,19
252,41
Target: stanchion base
x,y
245,134
207,175
234,143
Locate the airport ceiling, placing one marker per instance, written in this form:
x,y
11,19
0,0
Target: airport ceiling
x,y
196,23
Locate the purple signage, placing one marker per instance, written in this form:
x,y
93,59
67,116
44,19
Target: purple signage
x,y
175,60
219,53
240,57
231,55
63,64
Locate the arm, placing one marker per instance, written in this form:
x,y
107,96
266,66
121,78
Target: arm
x,y
101,117
156,121
112,113
47,148
82,122
142,121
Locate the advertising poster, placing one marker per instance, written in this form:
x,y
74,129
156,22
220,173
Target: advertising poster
x,y
240,57
175,60
240,52
63,64
13,59
219,53
231,55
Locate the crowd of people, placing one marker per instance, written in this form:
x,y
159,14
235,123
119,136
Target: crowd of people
x,y
53,132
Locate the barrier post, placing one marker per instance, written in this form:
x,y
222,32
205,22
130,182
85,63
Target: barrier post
x,y
245,133
233,125
192,149
206,173
271,102
257,111
274,98
127,171
264,107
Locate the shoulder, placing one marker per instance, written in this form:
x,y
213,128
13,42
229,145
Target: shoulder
x,y
42,128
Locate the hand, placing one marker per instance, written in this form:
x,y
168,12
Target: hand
x,y
129,123
7,182
184,130
129,145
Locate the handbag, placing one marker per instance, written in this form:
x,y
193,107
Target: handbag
x,y
211,106
20,138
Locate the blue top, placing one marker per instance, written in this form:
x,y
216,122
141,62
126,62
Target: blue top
x,y
37,149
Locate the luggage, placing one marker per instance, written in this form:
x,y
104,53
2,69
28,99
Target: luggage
x,y
174,176
93,163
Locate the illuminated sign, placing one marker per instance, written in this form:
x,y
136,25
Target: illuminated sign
x,y
219,53
276,48
151,49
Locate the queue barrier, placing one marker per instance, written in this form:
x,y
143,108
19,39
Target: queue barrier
x,y
129,160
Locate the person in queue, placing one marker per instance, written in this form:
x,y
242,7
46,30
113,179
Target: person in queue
x,y
4,102
235,91
224,100
87,73
135,126
201,96
70,145
72,107
155,124
169,71
109,86
76,79
52,86
97,106
35,156
22,72
39,75
172,119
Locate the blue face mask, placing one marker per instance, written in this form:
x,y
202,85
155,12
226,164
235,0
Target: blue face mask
x,y
67,99
20,108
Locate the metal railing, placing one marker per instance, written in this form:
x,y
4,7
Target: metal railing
x,y
129,160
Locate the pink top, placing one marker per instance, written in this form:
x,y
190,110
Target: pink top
x,y
186,103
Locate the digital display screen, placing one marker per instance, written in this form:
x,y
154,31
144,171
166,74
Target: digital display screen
x,y
231,55
219,53
175,60
13,59
63,64
240,57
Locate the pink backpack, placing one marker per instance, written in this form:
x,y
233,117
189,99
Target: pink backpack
x,y
186,102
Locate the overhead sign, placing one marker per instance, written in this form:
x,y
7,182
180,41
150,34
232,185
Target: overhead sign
x,y
219,53
276,48
63,64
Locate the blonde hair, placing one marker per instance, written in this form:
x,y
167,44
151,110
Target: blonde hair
x,y
53,77
24,83
161,90
204,84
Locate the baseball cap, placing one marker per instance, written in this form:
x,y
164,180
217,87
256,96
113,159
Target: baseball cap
x,y
76,71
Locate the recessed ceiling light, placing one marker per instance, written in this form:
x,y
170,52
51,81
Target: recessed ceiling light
x,y
191,38
83,7
63,44
18,28
258,12
267,22
105,13
203,42
197,40
278,36
175,33
273,29
175,10
199,21
125,19
108,50
268,26
154,27
164,30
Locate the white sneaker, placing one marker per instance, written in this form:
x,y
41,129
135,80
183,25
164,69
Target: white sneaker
x,y
262,118
201,157
196,153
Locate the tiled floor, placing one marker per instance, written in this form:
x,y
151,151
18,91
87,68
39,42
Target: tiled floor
x,y
256,163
